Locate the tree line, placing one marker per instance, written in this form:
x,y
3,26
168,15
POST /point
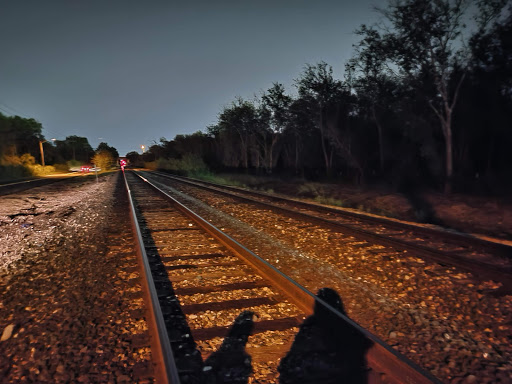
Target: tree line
x,y
424,100
22,146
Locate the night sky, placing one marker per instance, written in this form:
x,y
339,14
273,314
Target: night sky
x,y
130,72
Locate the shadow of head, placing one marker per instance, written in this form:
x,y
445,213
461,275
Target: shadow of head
x,y
327,348
231,363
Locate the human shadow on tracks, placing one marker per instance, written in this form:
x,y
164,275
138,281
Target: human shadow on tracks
x,y
326,349
231,363
186,355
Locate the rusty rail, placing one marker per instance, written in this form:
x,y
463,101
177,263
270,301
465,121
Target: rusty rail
x,y
165,366
482,269
389,365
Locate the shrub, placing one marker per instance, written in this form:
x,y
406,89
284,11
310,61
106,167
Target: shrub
x,y
73,164
152,165
308,190
39,170
103,160
189,165
13,172
329,201
17,167
61,167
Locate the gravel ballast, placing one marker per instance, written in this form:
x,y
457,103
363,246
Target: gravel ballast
x,y
71,305
439,317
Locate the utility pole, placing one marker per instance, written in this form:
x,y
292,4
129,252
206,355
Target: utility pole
x,y
41,149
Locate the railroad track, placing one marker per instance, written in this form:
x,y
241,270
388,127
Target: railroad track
x,y
20,186
24,185
231,316
486,260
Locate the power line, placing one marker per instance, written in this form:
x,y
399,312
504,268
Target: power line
x,y
17,112
4,110
12,109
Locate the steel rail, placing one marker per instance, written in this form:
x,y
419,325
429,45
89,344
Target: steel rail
x,y
391,366
20,186
478,268
166,371
456,237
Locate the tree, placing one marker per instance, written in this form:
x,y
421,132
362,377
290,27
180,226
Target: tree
x,y
7,137
239,119
330,106
275,110
103,159
19,135
74,148
105,147
300,133
134,158
371,79
425,38
485,145
318,86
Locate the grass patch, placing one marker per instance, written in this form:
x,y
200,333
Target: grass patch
x,y
329,201
152,165
309,190
217,179
188,165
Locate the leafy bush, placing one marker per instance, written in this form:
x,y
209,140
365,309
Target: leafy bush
x,y
329,201
308,190
61,167
39,170
151,165
103,160
73,164
13,172
189,165
16,167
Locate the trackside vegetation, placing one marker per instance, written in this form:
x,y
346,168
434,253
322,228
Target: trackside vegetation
x,y
424,102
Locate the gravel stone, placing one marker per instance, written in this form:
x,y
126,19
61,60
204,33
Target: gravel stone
x,y
63,285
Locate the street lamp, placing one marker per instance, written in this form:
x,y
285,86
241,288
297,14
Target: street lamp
x,y
41,149
143,148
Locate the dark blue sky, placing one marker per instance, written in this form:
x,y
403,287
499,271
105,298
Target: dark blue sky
x,y
129,72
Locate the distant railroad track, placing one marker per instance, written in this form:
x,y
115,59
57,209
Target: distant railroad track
x,y
24,185
207,290
485,259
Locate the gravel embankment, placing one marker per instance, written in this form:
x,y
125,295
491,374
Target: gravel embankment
x,y
483,215
70,308
437,316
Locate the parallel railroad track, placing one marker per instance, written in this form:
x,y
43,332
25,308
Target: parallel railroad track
x,y
485,259
226,311
20,186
